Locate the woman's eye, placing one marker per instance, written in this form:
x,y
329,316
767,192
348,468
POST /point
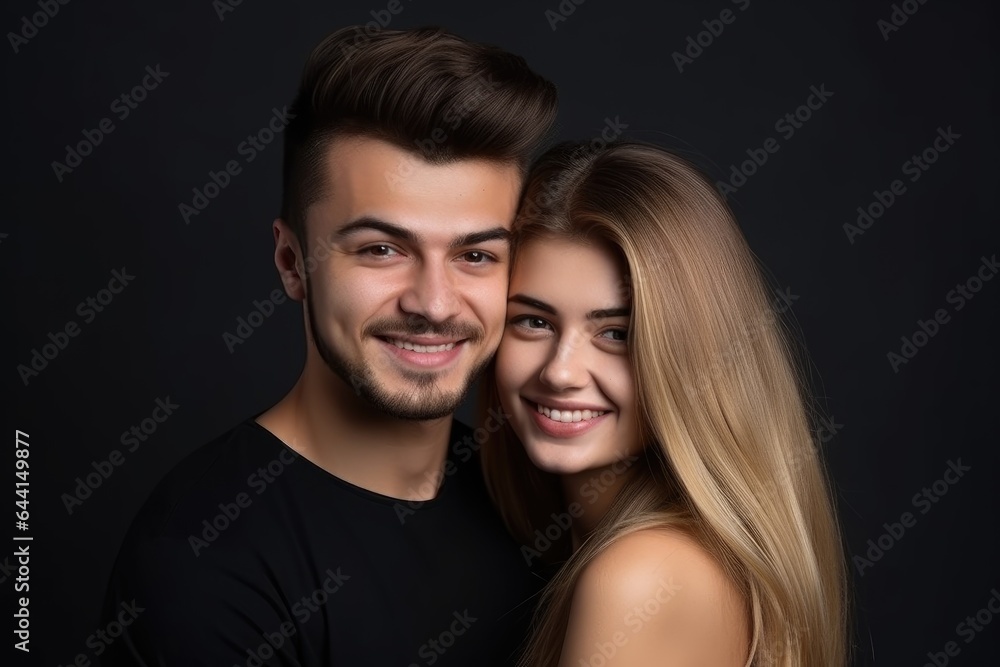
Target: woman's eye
x,y
529,322
617,335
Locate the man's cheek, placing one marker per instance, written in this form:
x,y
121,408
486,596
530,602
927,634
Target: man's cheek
x,y
495,302
480,308
341,324
495,325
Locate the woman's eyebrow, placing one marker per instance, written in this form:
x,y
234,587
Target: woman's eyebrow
x,y
600,314
533,302
605,313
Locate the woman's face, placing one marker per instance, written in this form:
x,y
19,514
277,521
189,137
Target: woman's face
x,y
563,370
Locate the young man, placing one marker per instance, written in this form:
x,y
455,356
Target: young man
x,y
349,524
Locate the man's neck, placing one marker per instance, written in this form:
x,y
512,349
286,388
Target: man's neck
x,y
330,425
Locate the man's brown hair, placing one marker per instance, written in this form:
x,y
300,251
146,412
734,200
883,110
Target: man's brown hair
x,y
427,91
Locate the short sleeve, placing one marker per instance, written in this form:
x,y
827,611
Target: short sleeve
x,y
167,605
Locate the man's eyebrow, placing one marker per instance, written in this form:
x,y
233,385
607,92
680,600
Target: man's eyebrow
x,y
474,238
601,314
368,222
404,234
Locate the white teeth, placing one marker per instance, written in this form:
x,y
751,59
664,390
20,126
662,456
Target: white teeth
x,y
567,416
406,345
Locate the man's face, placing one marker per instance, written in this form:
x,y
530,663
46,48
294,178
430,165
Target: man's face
x,y
409,307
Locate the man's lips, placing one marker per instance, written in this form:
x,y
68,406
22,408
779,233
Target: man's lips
x,y
422,343
431,353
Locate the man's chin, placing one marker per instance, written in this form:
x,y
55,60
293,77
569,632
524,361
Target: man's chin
x,y
404,391
420,395
413,403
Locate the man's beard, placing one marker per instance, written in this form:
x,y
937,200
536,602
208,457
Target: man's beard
x,y
421,399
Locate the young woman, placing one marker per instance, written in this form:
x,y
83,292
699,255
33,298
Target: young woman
x,y
659,437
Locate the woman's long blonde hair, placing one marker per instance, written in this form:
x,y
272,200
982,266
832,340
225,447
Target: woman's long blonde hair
x,y
729,454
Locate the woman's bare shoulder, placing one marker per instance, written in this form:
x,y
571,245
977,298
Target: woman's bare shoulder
x,y
654,594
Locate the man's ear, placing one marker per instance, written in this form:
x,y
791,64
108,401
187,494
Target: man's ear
x,y
288,260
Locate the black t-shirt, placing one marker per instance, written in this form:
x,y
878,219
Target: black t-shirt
x,y
247,554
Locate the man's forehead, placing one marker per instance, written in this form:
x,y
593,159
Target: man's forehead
x,y
366,181
371,162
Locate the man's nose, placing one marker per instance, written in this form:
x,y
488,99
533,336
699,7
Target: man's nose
x,y
431,294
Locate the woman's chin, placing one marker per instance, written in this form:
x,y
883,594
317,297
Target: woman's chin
x,y
554,459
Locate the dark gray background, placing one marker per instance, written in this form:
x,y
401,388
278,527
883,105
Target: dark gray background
x,y
162,336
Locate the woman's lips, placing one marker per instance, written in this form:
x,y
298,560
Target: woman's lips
x,y
561,429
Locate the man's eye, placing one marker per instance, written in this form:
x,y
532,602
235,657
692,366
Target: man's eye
x,y
379,251
477,257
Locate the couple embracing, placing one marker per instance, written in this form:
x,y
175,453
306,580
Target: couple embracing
x,y
641,487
